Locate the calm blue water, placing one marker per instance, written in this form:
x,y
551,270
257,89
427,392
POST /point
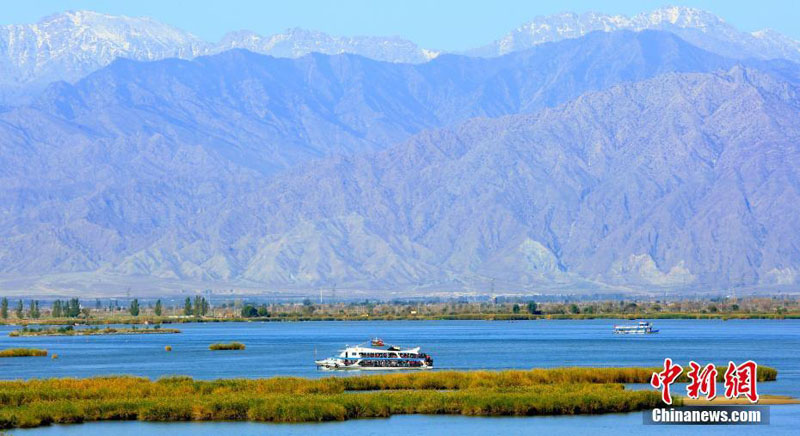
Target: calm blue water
x,y
289,349
783,422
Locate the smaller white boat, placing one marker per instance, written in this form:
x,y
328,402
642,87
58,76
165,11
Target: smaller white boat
x,y
642,328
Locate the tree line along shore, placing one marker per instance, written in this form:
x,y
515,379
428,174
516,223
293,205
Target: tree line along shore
x,y
557,391
200,309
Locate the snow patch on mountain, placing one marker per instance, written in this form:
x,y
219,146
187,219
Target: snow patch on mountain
x,y
696,26
70,45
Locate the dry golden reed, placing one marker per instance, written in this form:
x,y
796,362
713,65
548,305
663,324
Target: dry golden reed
x,y
556,391
23,352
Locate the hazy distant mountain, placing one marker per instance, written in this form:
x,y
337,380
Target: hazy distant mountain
x,y
696,26
70,45
683,180
298,42
269,113
173,172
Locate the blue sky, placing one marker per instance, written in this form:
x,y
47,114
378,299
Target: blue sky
x,y
439,24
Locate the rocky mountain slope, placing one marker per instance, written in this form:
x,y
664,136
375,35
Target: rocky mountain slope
x,y
683,181
667,173
268,114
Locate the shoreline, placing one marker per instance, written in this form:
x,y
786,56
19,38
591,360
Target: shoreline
x,y
464,317
89,332
764,400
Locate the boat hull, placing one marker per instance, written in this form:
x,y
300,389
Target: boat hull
x,y
372,368
333,364
635,332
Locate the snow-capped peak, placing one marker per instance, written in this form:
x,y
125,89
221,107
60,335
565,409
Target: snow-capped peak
x,y
69,45
681,16
696,26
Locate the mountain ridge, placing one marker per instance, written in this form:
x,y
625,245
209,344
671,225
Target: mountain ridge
x,y
661,224
696,26
617,161
350,103
452,208
70,45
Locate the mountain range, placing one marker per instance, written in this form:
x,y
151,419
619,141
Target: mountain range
x,y
248,170
663,182
269,113
618,160
70,45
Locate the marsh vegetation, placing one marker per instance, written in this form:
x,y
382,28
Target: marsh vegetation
x,y
563,391
71,331
224,347
23,352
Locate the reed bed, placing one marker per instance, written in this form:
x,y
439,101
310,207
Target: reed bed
x,y
23,352
42,402
230,346
556,391
18,393
442,380
70,331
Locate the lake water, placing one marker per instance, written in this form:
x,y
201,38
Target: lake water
x,y
290,348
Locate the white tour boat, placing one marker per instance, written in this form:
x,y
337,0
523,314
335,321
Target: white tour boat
x,y
377,358
643,328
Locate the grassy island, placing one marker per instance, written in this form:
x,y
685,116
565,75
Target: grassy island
x,y
71,331
231,346
560,391
23,352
